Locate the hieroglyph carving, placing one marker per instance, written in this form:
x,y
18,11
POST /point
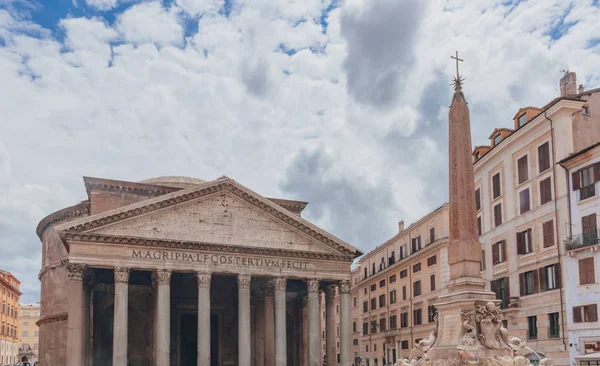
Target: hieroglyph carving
x,y
162,277
203,279
121,275
76,271
280,283
244,281
312,285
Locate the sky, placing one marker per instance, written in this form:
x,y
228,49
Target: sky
x,y
340,103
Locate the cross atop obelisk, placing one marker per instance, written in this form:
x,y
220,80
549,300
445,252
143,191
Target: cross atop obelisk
x,y
458,79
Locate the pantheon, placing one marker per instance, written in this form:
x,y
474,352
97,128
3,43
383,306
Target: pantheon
x,y
177,271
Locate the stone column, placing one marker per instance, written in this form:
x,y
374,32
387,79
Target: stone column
x,y
345,324
330,344
304,331
280,322
120,319
163,316
203,318
244,336
269,326
75,321
259,330
314,339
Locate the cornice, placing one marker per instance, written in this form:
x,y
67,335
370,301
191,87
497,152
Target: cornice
x,y
220,185
111,185
77,210
52,318
52,266
202,246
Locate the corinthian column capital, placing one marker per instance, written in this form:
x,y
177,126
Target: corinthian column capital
x,y
121,275
344,286
280,283
244,281
203,279
330,292
76,271
312,285
162,277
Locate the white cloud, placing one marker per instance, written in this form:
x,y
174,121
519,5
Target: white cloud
x,y
150,23
102,5
132,100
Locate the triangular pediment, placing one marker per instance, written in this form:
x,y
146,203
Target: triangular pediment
x,y
220,212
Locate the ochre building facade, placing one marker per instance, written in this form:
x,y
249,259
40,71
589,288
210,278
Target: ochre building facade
x,y
9,306
179,271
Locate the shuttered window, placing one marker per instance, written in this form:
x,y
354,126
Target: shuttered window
x,y
496,185
545,191
549,277
498,215
417,267
524,242
522,169
528,283
590,230
524,203
502,290
479,227
483,260
548,233
478,199
403,292
544,157
432,282
585,313
586,271
499,252
417,288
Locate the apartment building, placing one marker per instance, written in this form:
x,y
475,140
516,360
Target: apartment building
x,y
9,306
582,260
29,314
522,203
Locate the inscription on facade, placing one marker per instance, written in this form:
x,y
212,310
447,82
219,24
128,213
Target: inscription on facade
x,y
451,329
221,259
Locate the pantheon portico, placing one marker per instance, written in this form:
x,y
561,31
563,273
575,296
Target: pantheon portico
x,y
180,271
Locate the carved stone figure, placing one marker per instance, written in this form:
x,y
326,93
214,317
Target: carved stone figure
x,y
402,362
469,337
425,344
545,362
489,319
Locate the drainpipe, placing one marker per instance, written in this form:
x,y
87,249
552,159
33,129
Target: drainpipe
x,y
558,244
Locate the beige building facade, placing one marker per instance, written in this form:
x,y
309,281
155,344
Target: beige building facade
x,y
9,306
179,271
29,314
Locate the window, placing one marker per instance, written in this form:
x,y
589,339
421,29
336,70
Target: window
x,y
367,351
522,169
417,267
587,273
393,322
403,251
553,326
373,287
403,273
404,319
545,191
499,252
373,304
431,235
25,323
392,258
382,324
497,139
524,201
365,307
501,288
365,290
589,229
432,282
416,244
382,264
522,120
478,199
585,313
431,261
404,344
496,185
479,227
366,274
532,327
381,283
381,301
498,215
354,326
548,233
417,320
528,282
524,244
373,326
373,268
365,328
544,157
584,180
355,342
431,312
25,333
392,297
403,292
417,288
392,278
549,277
354,299
483,260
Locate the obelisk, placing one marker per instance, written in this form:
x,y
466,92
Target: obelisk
x,y
465,291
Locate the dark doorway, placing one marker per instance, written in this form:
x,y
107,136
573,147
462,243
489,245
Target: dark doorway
x,y
189,339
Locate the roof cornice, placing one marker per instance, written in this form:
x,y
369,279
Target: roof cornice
x,y
112,185
82,208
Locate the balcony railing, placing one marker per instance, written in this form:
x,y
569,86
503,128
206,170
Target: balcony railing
x,y
587,192
583,240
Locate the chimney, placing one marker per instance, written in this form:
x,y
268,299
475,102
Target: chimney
x,y
580,89
568,84
401,226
